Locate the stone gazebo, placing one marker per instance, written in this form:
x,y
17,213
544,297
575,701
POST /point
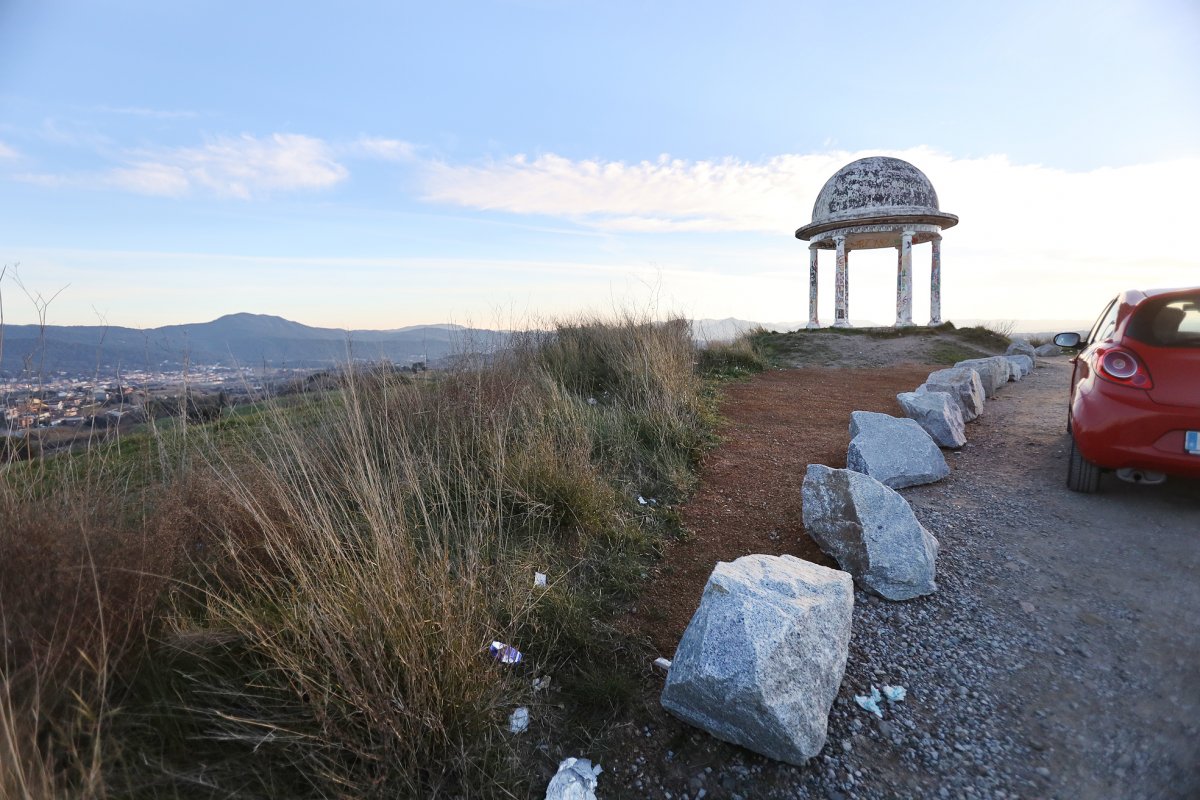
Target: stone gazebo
x,y
868,204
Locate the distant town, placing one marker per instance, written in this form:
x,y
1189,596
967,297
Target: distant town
x,y
45,414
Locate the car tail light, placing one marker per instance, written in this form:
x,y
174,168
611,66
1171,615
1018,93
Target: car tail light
x,y
1121,365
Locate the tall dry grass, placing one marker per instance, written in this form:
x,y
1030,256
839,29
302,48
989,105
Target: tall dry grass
x,y
337,568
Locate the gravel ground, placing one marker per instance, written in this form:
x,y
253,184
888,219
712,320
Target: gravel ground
x,y
1059,658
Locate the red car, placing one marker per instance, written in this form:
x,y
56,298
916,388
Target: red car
x,y
1135,392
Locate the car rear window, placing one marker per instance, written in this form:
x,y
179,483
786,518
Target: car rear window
x,y
1168,322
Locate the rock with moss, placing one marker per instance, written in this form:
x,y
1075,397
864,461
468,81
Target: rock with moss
x,y
762,659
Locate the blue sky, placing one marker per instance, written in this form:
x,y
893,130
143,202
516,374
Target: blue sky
x,y
386,164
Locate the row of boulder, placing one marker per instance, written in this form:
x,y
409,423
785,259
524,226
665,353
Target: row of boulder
x,y
763,657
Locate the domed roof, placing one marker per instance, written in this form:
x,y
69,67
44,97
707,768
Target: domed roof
x,y
875,190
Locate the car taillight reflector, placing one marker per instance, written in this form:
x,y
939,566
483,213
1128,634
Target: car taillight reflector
x,y
1120,365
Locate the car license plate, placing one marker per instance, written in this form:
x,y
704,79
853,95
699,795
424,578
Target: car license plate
x,y
1191,442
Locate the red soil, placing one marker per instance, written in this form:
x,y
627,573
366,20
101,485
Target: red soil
x,y
748,500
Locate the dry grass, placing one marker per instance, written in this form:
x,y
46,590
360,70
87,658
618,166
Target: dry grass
x,y
739,358
337,570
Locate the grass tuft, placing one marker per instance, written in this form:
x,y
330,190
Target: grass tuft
x,y
298,600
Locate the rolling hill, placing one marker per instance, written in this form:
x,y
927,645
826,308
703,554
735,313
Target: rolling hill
x,y
234,339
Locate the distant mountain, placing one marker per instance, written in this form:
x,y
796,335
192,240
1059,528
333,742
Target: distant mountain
x,y
255,340
248,340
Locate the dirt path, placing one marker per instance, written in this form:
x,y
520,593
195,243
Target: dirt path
x,y
749,496
1059,658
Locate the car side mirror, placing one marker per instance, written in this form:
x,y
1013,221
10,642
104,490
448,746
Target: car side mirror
x,y
1068,340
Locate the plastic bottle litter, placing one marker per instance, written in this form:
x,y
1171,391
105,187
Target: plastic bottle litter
x,y
505,653
575,780
871,702
519,721
895,694
539,579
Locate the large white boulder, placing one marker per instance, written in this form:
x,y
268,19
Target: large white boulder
x,y
1050,349
762,659
1020,347
870,530
938,414
895,451
1021,365
962,384
993,372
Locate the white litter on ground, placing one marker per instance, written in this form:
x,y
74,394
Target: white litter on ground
x,y
870,703
539,579
575,780
895,694
519,720
505,653
541,684
641,500
663,663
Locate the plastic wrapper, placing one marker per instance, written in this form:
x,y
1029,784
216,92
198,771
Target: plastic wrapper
x,y
505,653
575,780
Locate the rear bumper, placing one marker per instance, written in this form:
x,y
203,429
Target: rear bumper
x,y
1117,427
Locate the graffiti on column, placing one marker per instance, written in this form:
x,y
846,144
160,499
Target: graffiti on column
x,y
813,322
904,281
935,284
841,313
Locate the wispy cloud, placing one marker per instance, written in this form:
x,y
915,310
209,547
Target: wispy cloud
x,y
153,113
243,167
1003,206
382,148
7,153
661,195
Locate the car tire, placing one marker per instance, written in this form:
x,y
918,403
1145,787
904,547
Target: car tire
x,y
1082,475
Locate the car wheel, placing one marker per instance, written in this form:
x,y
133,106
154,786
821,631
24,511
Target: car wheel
x,y
1082,475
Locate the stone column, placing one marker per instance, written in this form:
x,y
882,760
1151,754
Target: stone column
x,y
935,283
904,281
813,322
841,302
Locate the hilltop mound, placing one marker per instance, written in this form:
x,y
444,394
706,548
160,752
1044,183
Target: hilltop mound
x,y
879,347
